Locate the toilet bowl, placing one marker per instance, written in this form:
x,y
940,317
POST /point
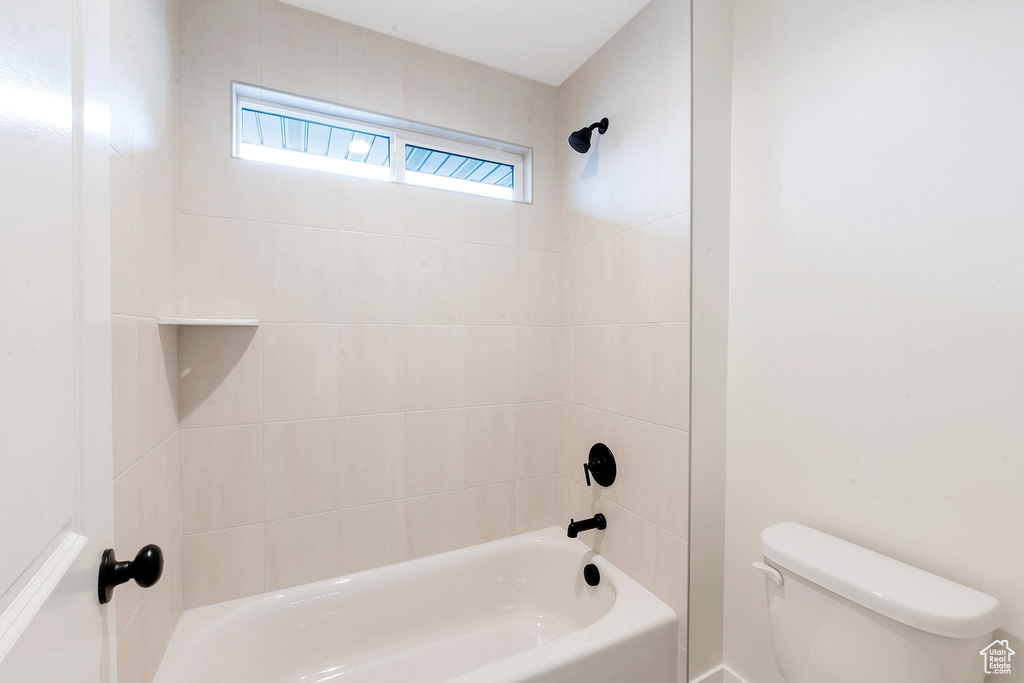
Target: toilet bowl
x,y
840,613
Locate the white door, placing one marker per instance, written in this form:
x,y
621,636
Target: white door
x,y
55,465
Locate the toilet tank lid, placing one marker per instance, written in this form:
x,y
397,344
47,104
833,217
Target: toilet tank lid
x,y
889,587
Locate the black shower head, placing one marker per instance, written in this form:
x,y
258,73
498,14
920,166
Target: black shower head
x,y
580,140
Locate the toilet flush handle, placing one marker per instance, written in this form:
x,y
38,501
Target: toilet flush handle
x,y
773,574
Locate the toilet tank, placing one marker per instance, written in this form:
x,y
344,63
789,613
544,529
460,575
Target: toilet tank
x,y
840,613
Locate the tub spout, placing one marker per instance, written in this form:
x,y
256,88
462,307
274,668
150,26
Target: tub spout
x,y
596,522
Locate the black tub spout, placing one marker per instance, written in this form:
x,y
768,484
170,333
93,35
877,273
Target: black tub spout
x,y
596,522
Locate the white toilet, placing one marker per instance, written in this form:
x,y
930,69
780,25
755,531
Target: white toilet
x,y
840,613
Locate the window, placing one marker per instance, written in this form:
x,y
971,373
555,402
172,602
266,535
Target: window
x,y
447,170
292,138
283,129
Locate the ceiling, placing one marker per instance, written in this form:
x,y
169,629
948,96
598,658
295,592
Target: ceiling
x,y
546,40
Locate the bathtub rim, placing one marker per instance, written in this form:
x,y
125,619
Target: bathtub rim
x,y
635,610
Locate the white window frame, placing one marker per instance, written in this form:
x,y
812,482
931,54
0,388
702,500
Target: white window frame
x,y
400,134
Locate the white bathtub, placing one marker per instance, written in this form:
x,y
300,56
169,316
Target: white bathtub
x,y
517,609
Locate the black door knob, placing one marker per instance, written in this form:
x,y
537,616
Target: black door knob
x,y
145,569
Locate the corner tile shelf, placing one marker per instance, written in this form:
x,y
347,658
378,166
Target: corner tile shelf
x,y
210,322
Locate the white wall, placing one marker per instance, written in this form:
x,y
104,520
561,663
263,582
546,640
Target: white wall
x,y
712,74
876,380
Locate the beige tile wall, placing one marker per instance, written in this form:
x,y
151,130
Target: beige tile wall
x,y
431,368
400,397
624,307
147,489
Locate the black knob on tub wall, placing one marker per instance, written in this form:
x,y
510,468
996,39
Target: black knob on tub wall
x,y
601,464
146,569
592,575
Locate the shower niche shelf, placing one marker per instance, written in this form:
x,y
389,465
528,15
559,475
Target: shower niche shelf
x,y
209,322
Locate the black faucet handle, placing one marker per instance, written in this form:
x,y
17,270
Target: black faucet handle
x,y
600,463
